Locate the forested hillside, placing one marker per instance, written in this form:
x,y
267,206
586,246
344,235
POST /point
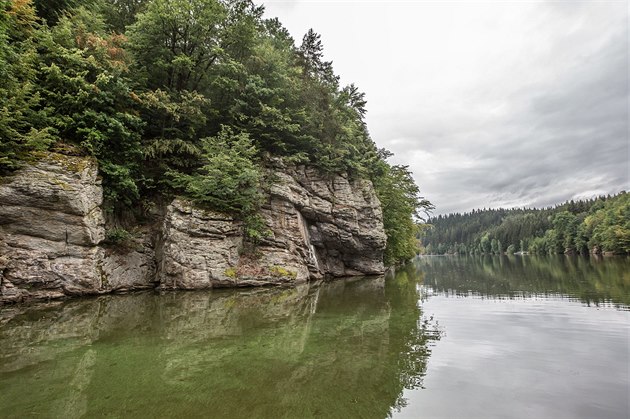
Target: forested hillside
x,y
597,225
185,97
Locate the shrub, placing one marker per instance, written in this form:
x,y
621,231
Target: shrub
x,y
118,236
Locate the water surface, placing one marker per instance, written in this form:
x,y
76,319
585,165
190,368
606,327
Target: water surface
x,y
444,337
526,337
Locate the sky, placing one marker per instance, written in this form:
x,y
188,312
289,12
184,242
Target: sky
x,y
491,104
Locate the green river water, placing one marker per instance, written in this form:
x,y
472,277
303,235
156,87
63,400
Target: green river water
x,y
473,337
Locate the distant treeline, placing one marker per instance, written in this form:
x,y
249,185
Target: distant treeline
x,y
592,226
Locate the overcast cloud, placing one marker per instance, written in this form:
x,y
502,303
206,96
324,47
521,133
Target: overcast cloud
x,y
491,104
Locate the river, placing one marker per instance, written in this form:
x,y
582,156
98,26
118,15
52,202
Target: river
x,y
473,337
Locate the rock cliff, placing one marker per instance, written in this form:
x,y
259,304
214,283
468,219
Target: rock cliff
x,y
52,233
332,226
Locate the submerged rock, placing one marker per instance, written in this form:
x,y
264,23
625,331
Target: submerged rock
x,y
52,231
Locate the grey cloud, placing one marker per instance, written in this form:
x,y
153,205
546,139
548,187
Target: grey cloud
x,y
571,134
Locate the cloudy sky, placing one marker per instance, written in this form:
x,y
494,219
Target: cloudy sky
x,y
491,104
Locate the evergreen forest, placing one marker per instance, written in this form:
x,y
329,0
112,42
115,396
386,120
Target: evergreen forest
x,y
190,98
600,225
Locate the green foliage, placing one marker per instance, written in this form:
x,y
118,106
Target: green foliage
x,y
82,80
23,128
229,179
119,14
400,199
609,227
279,271
52,10
118,236
173,141
565,226
600,225
255,228
175,42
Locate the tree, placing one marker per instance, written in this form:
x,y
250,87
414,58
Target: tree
x,y
23,125
401,202
121,13
311,53
229,179
565,224
609,226
175,43
173,142
52,10
83,80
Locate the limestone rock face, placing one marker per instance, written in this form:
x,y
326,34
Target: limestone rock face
x,y
198,248
52,233
57,199
332,225
132,267
51,225
318,227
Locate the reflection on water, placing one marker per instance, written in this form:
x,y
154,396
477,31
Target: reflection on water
x,y
443,337
340,349
590,280
529,337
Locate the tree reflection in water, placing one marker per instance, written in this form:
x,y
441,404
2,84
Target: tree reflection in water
x,y
591,280
339,349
